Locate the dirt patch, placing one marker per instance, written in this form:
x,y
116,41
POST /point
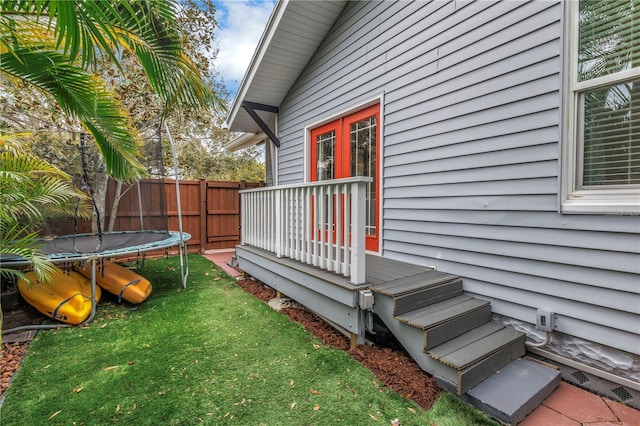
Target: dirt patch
x,y
257,289
393,368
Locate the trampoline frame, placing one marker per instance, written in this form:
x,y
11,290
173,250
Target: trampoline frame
x,y
175,239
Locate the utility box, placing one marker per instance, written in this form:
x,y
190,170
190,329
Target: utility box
x,y
545,320
365,299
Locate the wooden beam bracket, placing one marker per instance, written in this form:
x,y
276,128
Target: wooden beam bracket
x,y
252,107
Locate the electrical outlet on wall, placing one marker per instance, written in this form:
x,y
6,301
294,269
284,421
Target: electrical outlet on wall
x,y
545,319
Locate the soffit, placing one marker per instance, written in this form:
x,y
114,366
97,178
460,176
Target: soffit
x,y
293,34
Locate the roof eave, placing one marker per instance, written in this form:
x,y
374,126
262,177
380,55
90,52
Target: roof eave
x,y
256,59
273,69
245,140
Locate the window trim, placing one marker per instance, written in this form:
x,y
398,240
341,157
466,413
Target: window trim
x,y
613,200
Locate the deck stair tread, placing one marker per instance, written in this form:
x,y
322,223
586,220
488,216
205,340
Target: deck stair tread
x,y
464,340
482,348
427,296
413,283
441,312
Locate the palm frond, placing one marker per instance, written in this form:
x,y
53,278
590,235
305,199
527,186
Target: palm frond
x,y
86,97
15,244
31,190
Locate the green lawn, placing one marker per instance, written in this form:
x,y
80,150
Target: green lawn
x,y
210,354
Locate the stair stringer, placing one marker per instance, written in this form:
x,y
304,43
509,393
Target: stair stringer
x,y
412,339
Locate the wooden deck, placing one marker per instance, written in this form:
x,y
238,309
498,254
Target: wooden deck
x,y
379,270
330,295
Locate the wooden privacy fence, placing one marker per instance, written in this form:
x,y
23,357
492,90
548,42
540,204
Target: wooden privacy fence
x,y
210,210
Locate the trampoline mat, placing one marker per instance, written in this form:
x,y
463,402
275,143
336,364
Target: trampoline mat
x,y
111,242
84,246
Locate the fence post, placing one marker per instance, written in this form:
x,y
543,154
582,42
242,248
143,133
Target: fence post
x,y
203,216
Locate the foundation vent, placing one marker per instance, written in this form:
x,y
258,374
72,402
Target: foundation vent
x,y
598,385
580,377
622,393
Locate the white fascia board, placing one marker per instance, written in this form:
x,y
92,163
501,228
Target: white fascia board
x,y
245,140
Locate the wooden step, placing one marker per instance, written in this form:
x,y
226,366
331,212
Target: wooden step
x,y
445,320
479,353
464,340
420,290
442,312
427,296
470,354
412,283
461,324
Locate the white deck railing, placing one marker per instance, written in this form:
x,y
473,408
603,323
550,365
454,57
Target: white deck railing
x,y
319,223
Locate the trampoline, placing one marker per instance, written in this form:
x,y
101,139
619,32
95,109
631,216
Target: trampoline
x,y
71,248
82,247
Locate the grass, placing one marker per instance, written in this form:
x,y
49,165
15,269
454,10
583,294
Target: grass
x,y
210,354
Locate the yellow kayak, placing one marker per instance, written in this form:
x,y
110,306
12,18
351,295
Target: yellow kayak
x,y
119,280
67,298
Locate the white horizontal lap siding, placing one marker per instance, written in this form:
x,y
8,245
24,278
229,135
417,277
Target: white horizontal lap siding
x,y
471,142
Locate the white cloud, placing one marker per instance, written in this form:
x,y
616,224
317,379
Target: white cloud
x,y
241,26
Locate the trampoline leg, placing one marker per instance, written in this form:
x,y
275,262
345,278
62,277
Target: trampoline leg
x,y
184,264
94,302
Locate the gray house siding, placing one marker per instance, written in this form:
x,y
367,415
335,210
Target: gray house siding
x,y
471,116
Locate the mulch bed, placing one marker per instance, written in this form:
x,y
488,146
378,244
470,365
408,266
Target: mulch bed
x,y
12,354
393,368
14,346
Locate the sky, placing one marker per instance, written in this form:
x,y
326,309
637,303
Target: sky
x,y
241,24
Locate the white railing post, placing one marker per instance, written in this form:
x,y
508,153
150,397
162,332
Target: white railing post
x,y
243,218
358,232
280,220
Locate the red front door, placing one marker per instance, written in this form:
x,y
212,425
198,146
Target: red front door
x,y
348,147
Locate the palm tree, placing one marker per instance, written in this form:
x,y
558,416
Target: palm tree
x,y
53,45
31,192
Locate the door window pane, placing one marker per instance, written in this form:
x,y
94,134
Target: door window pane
x,y
325,144
363,163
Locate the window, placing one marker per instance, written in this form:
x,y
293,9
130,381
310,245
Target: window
x,y
601,169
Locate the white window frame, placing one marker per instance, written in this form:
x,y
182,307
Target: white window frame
x,y
613,200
